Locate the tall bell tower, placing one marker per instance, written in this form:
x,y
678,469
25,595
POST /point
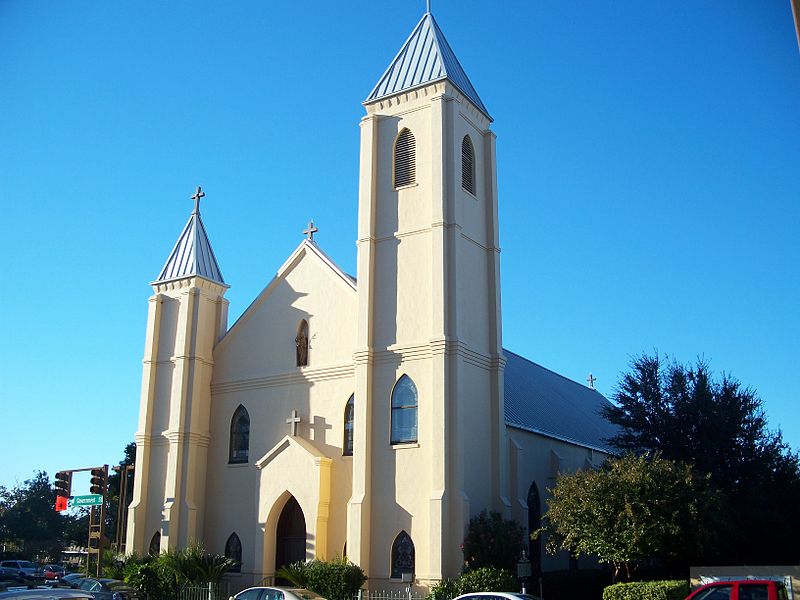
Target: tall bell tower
x,y
187,315
429,310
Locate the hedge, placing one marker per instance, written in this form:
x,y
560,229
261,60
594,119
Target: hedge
x,y
647,590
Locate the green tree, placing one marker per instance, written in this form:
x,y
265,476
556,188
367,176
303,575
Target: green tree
x,y
28,518
635,508
719,427
114,489
492,541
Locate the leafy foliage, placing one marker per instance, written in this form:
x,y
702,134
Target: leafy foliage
x,y
492,542
28,521
720,428
337,579
634,509
487,579
647,590
482,579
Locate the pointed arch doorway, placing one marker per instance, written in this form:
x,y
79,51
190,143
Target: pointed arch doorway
x,y
290,536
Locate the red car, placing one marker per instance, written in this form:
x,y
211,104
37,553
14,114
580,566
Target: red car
x,y
53,571
743,589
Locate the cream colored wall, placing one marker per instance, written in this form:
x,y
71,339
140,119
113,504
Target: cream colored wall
x,y
184,318
538,458
428,308
255,367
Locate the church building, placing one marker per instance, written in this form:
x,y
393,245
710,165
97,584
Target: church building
x,y
367,416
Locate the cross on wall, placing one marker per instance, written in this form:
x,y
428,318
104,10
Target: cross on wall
x,y
292,421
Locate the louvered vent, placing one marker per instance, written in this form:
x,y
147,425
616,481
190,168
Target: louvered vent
x,y
467,165
405,168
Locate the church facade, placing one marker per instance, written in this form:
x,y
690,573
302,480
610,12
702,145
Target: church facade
x,y
366,416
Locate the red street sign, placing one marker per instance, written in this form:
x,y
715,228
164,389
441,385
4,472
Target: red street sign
x,y
61,503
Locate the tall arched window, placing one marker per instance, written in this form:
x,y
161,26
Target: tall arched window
x,y
347,444
233,550
404,411
402,556
155,544
405,161
301,344
468,165
240,436
534,523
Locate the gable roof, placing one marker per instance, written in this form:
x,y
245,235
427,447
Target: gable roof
x,y
424,58
192,255
544,402
306,248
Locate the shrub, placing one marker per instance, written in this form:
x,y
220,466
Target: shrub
x,y
492,542
296,572
487,579
647,590
446,589
338,579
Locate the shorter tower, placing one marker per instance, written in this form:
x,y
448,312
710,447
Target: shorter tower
x,y
187,315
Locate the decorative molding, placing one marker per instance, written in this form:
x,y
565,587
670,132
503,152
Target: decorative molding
x,y
306,375
190,437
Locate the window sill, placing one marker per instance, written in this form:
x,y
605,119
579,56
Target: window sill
x,y
237,465
402,445
405,187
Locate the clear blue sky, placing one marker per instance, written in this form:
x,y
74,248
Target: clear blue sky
x,y
648,164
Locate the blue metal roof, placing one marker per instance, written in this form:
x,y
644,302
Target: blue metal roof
x,y
192,255
541,401
424,58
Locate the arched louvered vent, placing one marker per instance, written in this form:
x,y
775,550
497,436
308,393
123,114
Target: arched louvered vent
x,y
405,159
468,165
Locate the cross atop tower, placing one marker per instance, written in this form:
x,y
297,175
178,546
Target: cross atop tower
x,y
590,380
197,195
310,230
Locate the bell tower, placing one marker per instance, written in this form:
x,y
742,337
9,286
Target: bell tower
x,y
429,311
187,315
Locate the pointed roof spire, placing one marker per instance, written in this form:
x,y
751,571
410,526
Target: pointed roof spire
x,y
192,255
424,58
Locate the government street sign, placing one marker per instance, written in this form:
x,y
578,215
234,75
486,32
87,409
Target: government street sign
x,y
88,500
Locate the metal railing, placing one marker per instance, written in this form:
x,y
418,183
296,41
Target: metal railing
x,y
207,591
407,594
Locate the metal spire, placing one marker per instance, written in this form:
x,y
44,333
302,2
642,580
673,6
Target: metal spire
x,y
429,6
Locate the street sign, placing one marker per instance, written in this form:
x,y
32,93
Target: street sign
x,y
88,500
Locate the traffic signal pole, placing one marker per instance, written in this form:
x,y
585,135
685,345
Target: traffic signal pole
x,y
97,519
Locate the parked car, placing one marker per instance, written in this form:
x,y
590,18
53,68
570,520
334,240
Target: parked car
x,y
741,589
73,578
20,568
496,596
276,593
45,594
53,572
108,589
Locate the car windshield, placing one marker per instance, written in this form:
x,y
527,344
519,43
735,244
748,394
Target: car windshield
x,y
26,564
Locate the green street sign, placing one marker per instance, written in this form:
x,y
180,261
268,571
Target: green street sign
x,y
88,500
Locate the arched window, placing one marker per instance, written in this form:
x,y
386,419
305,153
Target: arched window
x,y
468,165
155,544
347,445
405,152
233,550
534,523
404,411
402,556
301,344
240,436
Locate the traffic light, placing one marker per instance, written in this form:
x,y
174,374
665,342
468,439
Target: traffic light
x,y
63,487
98,481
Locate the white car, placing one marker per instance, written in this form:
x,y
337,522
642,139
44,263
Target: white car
x,y
496,596
276,593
